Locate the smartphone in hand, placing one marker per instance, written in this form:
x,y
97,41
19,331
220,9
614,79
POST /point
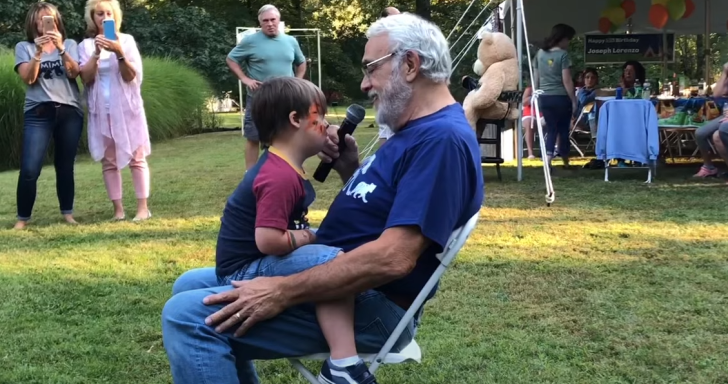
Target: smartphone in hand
x,y
49,24
110,29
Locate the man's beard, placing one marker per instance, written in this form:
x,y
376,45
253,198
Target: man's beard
x,y
392,101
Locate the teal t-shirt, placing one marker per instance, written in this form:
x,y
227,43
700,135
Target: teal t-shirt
x,y
263,57
549,65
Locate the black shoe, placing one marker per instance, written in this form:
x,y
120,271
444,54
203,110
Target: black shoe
x,y
353,374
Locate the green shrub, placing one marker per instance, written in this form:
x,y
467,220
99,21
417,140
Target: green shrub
x,y
174,99
12,99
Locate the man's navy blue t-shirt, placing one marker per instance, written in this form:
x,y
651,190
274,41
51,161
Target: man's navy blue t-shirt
x,y
273,194
428,174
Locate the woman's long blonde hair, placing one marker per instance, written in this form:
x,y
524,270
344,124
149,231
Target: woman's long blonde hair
x,y
91,29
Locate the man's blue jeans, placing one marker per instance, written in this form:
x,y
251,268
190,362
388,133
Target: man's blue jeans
x,y
64,125
197,354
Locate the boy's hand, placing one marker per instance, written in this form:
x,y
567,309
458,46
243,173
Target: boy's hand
x,y
348,161
310,236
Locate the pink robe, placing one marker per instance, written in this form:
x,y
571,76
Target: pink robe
x,y
128,123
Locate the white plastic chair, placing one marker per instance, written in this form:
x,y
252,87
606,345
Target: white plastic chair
x,y
412,351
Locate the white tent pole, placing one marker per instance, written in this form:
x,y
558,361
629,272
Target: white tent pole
x,y
318,49
519,49
240,90
706,43
513,18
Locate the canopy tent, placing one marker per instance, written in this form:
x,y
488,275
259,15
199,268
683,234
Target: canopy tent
x,y
584,16
531,21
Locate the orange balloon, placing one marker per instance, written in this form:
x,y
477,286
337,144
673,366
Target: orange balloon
x,y
658,16
604,25
630,7
689,8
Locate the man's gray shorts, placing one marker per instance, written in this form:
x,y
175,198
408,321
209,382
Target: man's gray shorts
x,y
250,132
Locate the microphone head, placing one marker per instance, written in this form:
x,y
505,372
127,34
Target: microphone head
x,y
356,113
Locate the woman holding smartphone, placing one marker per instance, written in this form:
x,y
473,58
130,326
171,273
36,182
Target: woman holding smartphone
x,y
111,69
48,63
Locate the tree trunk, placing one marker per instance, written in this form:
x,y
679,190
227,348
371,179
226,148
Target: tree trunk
x,y
422,8
700,48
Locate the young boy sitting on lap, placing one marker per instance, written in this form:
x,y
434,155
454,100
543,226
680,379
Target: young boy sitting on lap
x,y
264,229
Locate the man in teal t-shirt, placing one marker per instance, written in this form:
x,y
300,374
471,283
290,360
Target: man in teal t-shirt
x,y
264,54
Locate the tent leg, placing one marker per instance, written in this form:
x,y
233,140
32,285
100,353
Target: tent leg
x,y
706,45
519,47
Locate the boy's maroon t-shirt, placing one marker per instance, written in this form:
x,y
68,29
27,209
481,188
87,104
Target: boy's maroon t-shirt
x,y
273,194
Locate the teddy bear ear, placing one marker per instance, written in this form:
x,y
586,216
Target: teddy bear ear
x,y
486,36
482,32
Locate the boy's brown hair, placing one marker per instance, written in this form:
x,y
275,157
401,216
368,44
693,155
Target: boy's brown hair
x,y
276,98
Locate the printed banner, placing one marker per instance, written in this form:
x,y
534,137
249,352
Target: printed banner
x,y
616,49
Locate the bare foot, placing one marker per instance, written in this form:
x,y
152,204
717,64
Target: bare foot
x,y
118,211
143,214
69,219
20,225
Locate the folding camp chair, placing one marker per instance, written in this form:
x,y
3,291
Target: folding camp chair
x,y
620,106
572,140
412,351
584,112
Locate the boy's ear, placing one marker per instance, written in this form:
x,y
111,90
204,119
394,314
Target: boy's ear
x,y
294,119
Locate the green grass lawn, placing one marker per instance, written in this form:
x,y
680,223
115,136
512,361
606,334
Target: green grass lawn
x,y
617,282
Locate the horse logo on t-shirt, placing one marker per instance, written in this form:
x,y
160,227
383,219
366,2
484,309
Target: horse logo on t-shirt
x,y
362,188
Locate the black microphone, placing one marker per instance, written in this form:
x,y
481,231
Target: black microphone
x,y
354,115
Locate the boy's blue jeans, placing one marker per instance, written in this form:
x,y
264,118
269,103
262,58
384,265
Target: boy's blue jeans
x,y
198,354
301,259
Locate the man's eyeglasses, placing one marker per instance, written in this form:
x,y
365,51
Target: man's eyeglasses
x,y
369,68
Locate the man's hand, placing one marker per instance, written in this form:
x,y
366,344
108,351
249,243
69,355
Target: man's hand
x,y
348,161
252,84
250,302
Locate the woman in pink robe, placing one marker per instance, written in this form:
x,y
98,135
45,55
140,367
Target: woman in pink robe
x,y
117,127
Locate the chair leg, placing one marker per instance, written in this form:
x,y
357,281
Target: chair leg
x,y
303,371
497,169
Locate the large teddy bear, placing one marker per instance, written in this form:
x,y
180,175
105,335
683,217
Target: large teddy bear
x,y
497,67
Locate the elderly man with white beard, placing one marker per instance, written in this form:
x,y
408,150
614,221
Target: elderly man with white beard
x,y
395,212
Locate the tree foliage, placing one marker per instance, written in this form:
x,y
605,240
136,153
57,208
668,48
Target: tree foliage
x,y
202,32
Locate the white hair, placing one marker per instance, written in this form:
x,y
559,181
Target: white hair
x,y
268,7
408,32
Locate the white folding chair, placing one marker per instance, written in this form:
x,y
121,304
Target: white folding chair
x,y
412,351
572,140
